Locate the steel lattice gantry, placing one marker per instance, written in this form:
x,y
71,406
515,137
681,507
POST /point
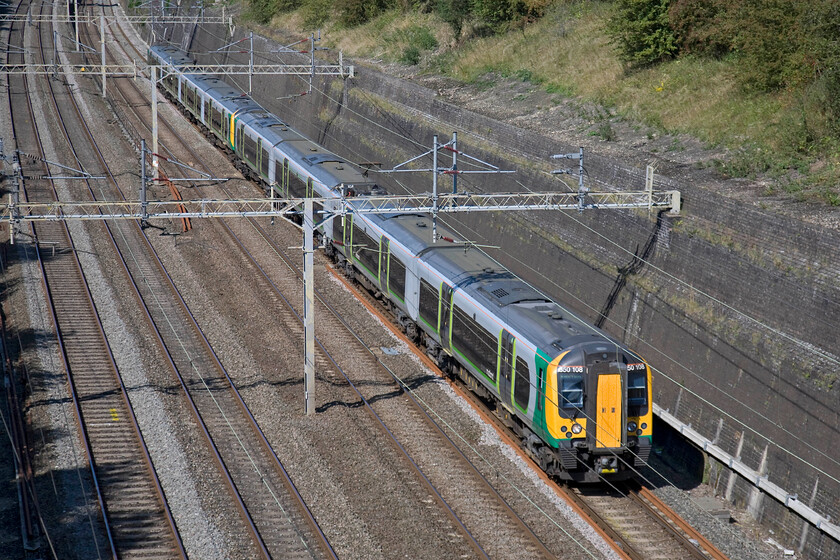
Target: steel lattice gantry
x,y
90,18
132,70
17,212
390,204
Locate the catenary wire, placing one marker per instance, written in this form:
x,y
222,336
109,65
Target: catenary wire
x,y
677,362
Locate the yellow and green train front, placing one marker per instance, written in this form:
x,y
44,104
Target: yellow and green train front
x,y
597,412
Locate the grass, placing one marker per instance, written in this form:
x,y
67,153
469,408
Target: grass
x,y
390,36
568,54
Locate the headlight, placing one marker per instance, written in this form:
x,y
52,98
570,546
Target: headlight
x,y
576,428
631,427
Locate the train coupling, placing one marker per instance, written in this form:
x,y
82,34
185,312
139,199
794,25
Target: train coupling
x,y
606,465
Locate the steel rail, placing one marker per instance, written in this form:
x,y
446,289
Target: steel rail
x,y
131,70
433,489
86,19
146,457
51,306
397,381
326,353
646,194
541,546
18,438
438,496
703,548
622,546
252,420
241,507
290,485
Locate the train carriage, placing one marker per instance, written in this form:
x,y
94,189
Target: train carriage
x,y
579,399
512,345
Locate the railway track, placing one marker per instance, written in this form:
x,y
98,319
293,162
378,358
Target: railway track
x,y
279,520
349,340
484,498
642,525
129,522
136,519
325,363
344,350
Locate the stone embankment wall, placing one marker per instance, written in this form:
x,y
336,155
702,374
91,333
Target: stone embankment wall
x,y
736,307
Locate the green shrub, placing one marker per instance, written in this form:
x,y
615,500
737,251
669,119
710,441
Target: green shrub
x,y
604,131
262,11
410,55
767,42
497,13
288,5
315,13
704,27
821,59
357,12
641,31
419,36
417,39
453,12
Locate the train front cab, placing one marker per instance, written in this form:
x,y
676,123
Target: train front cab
x,y
597,408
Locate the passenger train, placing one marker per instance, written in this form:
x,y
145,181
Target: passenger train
x,y
579,400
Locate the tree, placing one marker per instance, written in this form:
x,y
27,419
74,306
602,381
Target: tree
x,y
454,12
704,27
640,29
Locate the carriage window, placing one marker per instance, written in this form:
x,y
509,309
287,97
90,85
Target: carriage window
x,y
215,118
338,228
474,343
429,298
571,391
206,111
522,385
636,389
366,250
296,185
280,170
396,277
249,149
264,163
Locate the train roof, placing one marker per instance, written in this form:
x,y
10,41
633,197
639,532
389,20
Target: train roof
x,y
531,313
171,55
325,166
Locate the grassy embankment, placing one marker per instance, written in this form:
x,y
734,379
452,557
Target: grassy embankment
x,y
568,54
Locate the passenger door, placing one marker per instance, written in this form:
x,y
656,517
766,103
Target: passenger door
x,y
383,264
445,313
506,368
609,404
